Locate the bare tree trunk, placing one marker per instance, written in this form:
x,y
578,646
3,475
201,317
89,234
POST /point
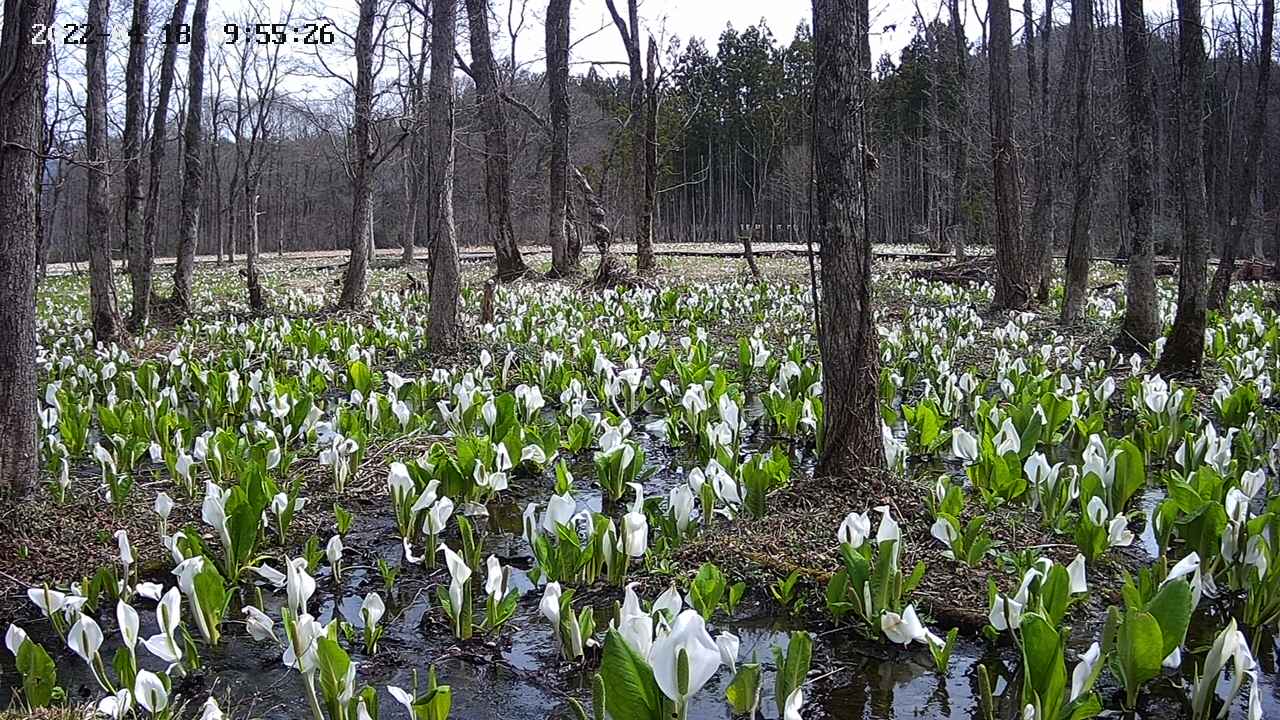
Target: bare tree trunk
x,y
357,276
147,250
847,335
1044,222
1015,268
417,161
193,170
1083,157
1246,175
749,252
412,194
102,290
629,31
563,262
134,194
22,69
252,278
1184,352
443,332
644,231
1142,314
497,146
957,135
1036,115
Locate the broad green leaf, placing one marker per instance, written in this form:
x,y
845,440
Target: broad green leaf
x,y
743,693
39,674
631,690
1139,644
1171,609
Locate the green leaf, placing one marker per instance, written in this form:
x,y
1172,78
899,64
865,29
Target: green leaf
x,y
39,674
1055,594
743,693
1138,645
332,663
243,527
212,594
361,377
707,590
1043,664
1171,608
435,704
632,691
793,669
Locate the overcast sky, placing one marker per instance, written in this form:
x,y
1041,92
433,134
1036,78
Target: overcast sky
x,y
890,25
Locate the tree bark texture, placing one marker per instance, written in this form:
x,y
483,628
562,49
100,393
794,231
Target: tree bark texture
x,y
1141,323
356,279
644,232
497,146
563,262
1083,159
416,225
443,332
1015,268
957,137
134,195
1184,352
147,246
192,167
1246,174
104,307
1044,221
847,337
22,69
629,31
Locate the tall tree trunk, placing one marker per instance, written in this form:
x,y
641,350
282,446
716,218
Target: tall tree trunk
x,y
415,218
629,31
22,70
443,333
957,136
497,146
147,249
252,278
1044,221
104,308
1035,113
1245,177
357,276
1083,152
1015,268
645,230
192,168
1142,313
563,262
847,336
134,195
1184,352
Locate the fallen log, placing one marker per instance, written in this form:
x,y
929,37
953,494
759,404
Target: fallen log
x,y
969,272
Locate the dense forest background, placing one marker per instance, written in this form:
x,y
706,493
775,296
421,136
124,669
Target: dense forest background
x,y
733,139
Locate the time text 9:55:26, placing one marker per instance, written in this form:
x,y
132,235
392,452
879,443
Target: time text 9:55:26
x,y
308,33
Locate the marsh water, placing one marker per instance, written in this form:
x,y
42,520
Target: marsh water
x,y
517,675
